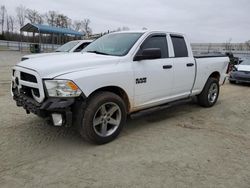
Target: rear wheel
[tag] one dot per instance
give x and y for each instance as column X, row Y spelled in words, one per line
column 210, row 93
column 232, row 82
column 103, row 118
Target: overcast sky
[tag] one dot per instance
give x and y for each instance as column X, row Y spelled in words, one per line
column 202, row 21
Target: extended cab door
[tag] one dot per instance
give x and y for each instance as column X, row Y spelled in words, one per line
column 153, row 77
column 183, row 66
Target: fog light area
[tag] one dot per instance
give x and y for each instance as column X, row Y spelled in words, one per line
column 57, row 119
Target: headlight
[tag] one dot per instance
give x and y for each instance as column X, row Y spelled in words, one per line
column 62, row 88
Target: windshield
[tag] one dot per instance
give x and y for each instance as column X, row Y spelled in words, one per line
column 246, row 61
column 67, row 47
column 115, row 44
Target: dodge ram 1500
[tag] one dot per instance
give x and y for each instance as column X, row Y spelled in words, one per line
column 117, row 75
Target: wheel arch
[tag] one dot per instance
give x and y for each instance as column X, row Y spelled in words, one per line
column 116, row 90
column 215, row 75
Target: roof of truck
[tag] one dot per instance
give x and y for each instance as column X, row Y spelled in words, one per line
column 149, row 31
column 84, row 40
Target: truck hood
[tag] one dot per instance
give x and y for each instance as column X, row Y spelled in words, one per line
column 56, row 65
column 243, row 67
column 42, row 55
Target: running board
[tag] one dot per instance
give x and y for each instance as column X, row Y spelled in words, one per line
column 158, row 108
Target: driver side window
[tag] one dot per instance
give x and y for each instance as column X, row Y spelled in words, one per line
column 156, row 41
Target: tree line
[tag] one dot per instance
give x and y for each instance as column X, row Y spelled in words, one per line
column 11, row 24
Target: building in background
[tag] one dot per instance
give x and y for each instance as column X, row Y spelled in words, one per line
column 199, row 48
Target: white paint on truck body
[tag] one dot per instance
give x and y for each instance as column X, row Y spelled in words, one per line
column 92, row 71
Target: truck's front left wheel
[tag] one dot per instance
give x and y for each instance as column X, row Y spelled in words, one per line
column 103, row 118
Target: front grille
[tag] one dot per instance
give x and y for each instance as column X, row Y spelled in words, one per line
column 28, row 83
column 28, row 77
column 28, row 91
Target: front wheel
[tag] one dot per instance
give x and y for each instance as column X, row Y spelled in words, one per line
column 210, row 93
column 103, row 118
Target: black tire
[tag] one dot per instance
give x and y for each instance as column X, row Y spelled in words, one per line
column 85, row 118
column 232, row 82
column 205, row 98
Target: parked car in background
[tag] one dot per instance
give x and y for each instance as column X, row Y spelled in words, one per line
column 69, row 47
column 241, row 72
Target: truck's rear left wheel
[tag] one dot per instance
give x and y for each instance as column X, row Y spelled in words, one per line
column 103, row 118
column 210, row 93
column 232, row 82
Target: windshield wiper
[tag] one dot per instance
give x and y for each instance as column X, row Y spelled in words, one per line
column 97, row 52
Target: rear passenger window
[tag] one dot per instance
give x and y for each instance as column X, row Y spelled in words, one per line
column 157, row 41
column 180, row 47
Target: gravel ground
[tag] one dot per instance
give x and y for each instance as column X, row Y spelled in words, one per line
column 184, row 146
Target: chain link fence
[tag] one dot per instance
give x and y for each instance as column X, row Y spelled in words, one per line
column 25, row 46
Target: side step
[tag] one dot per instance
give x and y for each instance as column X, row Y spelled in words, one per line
column 148, row 111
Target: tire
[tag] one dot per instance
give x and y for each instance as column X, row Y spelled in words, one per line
column 103, row 118
column 232, row 82
column 210, row 93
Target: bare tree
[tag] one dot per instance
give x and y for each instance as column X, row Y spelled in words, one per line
column 39, row 19
column 21, row 15
column 7, row 24
column 209, row 48
column 12, row 23
column 248, row 44
column 241, row 47
column 2, row 15
column 51, row 17
column 85, row 26
column 63, row 21
column 33, row 16
column 77, row 25
column 228, row 45
column 125, row 28
column 68, row 22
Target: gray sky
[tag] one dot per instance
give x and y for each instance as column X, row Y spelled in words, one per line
column 202, row 21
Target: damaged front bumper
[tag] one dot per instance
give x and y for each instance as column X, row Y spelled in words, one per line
column 57, row 109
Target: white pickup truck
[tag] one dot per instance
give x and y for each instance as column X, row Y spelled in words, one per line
column 117, row 75
column 69, row 47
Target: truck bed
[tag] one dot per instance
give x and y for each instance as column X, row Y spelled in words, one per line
column 207, row 64
column 209, row 55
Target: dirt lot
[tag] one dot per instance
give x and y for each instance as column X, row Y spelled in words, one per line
column 185, row 146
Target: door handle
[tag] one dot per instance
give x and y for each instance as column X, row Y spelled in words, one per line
column 167, row 66
column 190, row 64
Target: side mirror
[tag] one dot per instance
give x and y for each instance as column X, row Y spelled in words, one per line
column 149, row 53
